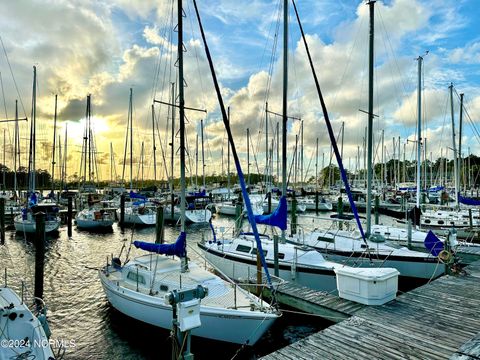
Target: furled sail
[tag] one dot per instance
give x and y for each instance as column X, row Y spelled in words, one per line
column 179, row 248
column 277, row 218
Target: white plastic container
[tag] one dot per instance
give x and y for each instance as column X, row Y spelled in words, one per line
column 369, row 286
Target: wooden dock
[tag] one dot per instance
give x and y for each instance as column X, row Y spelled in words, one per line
column 320, row 303
column 440, row 320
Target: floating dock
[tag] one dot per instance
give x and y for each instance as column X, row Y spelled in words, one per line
column 439, row 320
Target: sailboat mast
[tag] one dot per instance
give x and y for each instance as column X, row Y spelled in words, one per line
column 181, row 99
column 454, row 147
column 154, row 147
column 419, row 128
column 16, row 146
column 65, row 155
column 130, row 115
column 203, row 154
column 228, row 157
column 284, row 116
column 266, row 146
column 460, row 120
column 31, row 162
column 54, row 137
column 172, row 144
column 89, row 139
column 248, row 156
column 316, row 169
column 370, row 119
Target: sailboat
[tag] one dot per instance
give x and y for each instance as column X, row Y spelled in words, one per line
column 138, row 287
column 138, row 211
column 93, row 216
column 25, row 222
column 24, row 332
column 172, row 211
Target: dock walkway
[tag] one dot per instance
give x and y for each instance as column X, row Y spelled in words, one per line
column 439, row 320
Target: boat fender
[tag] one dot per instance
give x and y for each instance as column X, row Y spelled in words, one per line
column 445, row 256
column 117, row 263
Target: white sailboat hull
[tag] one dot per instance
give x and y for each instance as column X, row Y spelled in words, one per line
column 218, row 324
column 197, row 216
column 242, row 270
column 148, row 218
column 91, row 220
column 29, row 226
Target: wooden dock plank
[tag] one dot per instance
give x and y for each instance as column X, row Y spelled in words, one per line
column 439, row 320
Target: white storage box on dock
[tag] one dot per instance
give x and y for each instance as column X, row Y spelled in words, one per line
column 369, row 286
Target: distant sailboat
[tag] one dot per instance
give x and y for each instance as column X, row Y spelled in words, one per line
column 25, row 222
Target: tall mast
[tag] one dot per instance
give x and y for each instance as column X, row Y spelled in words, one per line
column 196, row 162
column 89, row 141
column 16, row 148
column 31, row 162
column 65, row 154
column 54, row 137
column 130, row 115
column 266, row 146
column 301, row 154
column 370, row 119
column 203, row 154
column 460, row 142
column 182, row 122
column 4, row 146
column 284, row 114
column 454, row 147
column 172, row 144
column 154, row 147
column 248, row 156
column 228, row 157
column 419, row 128
column 316, row 169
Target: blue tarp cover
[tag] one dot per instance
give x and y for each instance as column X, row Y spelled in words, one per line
column 277, row 218
column 433, row 243
column 468, row 201
column 179, row 248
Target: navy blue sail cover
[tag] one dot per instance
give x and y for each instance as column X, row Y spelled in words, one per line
column 433, row 243
column 277, row 218
column 179, row 248
column 468, row 201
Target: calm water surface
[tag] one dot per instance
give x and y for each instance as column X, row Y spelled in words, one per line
column 79, row 312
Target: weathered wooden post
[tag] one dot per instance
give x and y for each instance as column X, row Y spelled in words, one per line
column 293, row 227
column 269, row 202
column 159, row 226
column 122, row 211
column 39, row 253
column 2, row 221
column 340, row 212
column 409, row 234
column 69, row 216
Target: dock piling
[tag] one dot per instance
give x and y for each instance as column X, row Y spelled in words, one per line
column 122, row 211
column 39, row 253
column 2, row 221
column 159, row 229
column 69, row 216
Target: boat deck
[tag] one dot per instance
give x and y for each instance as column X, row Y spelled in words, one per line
column 436, row 321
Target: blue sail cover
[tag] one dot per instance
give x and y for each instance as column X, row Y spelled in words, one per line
column 136, row 196
column 433, row 243
column 468, row 201
column 277, row 218
column 179, row 248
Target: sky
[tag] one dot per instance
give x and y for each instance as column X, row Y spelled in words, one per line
column 104, row 48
